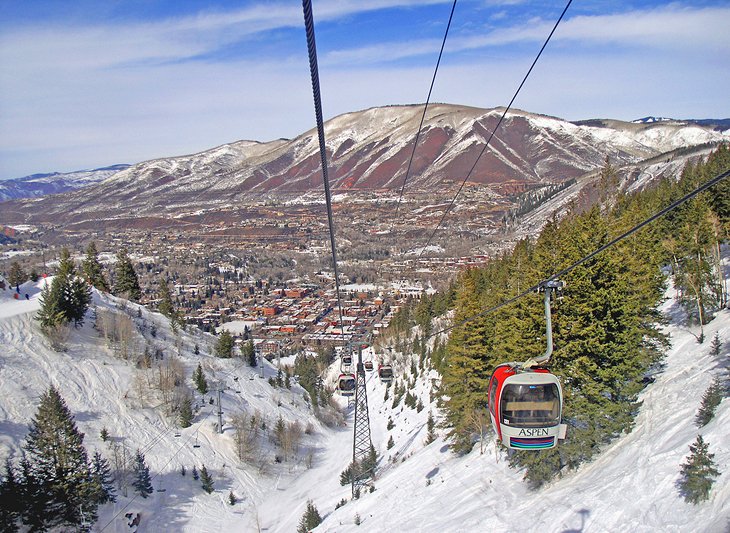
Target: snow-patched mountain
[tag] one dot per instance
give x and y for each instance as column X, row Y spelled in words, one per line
column 55, row 182
column 630, row 486
column 370, row 150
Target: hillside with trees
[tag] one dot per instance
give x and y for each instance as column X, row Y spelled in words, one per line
column 604, row 325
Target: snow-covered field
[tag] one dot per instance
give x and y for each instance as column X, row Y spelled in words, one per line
column 629, row 487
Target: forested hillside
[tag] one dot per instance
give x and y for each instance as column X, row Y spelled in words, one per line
column 605, row 323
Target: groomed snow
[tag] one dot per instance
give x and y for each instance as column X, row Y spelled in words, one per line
column 629, row 487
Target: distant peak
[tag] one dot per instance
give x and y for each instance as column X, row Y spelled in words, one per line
column 651, row 120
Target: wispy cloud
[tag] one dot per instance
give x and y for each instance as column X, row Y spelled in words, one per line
column 670, row 27
column 93, row 94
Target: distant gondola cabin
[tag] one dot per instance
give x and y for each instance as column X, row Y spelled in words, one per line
column 385, row 372
column 346, row 384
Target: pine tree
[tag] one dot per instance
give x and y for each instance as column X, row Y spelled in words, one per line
column 232, row 500
column 127, row 282
column 67, row 299
column 716, row 345
column 310, row 519
column 370, row 463
column 249, row 354
column 142, row 481
column 186, row 412
column 55, row 466
column 195, row 474
column 101, row 474
column 468, row 362
column 430, row 429
column 697, row 473
column 50, row 314
column 11, row 503
column 33, row 496
column 92, row 269
column 206, row 480
column 16, row 274
column 224, row 346
column 201, row 384
column 79, row 298
column 166, row 305
column 710, row 400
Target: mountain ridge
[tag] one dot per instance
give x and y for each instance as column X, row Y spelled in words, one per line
column 369, row 150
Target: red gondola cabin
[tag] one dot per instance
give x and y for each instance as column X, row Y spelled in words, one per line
column 385, row 373
column 525, row 407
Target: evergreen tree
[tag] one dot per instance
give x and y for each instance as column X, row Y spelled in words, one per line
column 468, row 362
column 370, row 463
column 224, row 346
column 430, row 429
column 79, row 298
column 206, row 480
column 710, row 400
column 186, row 412
column 16, row 274
column 67, row 299
column 166, row 305
column 33, row 497
column 103, row 480
column 697, row 473
column 201, row 384
column 716, row 345
column 50, row 313
column 142, row 481
column 92, row 269
column 55, row 467
column 249, row 354
column 127, row 282
column 232, row 500
column 310, row 519
column 11, row 503
column 346, row 476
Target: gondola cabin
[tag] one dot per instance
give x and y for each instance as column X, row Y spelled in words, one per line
column 347, row 359
column 525, row 407
column 368, row 365
column 346, row 384
column 385, row 373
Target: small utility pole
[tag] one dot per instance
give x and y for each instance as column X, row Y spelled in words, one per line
column 220, row 413
column 217, row 387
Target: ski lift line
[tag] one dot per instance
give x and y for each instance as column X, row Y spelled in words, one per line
column 714, row 181
column 423, row 116
column 314, row 72
column 156, row 475
column 491, row 135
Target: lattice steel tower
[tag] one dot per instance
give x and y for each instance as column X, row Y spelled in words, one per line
column 362, row 463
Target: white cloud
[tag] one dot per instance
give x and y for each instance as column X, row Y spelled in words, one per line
column 670, row 27
column 82, row 97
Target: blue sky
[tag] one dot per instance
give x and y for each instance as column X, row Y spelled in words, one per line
column 85, row 84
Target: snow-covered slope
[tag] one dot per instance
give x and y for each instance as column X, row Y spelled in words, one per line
column 629, row 487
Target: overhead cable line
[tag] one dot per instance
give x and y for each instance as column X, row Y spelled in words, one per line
column 423, row 116
column 561, row 273
column 314, row 72
column 489, row 139
column 158, row 474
